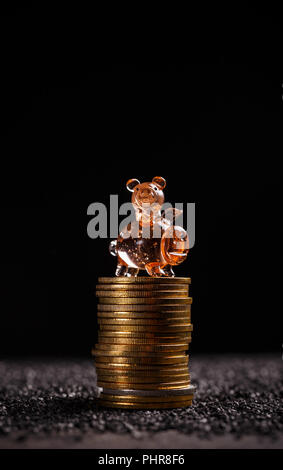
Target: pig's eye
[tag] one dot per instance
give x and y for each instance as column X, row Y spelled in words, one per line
column 138, row 189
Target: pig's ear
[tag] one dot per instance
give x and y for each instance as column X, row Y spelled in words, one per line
column 159, row 181
column 131, row 184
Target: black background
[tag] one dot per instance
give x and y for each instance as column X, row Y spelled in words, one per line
column 76, row 125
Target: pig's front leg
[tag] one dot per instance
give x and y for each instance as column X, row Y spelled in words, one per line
column 168, row 271
column 132, row 272
column 121, row 270
column 153, row 269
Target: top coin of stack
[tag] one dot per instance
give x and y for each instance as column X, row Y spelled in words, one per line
column 144, row 334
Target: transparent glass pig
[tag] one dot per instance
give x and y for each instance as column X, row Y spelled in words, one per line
column 152, row 242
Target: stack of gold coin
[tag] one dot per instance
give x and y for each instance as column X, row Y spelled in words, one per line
column 141, row 357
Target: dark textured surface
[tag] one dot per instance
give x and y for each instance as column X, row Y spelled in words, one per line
column 52, row 399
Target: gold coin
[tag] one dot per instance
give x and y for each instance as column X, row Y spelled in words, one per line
column 131, row 383
column 140, row 368
column 144, row 279
column 179, row 359
column 144, row 372
column 162, row 340
column 144, row 321
column 144, row 335
column 144, row 347
column 189, row 390
column 145, row 399
column 138, row 386
column 150, row 369
column 144, row 308
column 119, row 341
column 139, row 344
column 107, row 341
column 149, row 401
column 136, row 301
column 136, row 349
column 141, row 287
column 128, row 381
column 139, row 321
column 139, row 363
column 144, row 315
column 145, row 406
column 162, row 294
column 135, row 324
column 143, row 380
column 121, row 376
column 136, row 353
column 153, row 328
column 146, row 369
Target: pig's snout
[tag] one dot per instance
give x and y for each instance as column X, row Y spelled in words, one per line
column 146, row 195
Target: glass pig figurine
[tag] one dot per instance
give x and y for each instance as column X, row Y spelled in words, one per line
column 152, row 241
